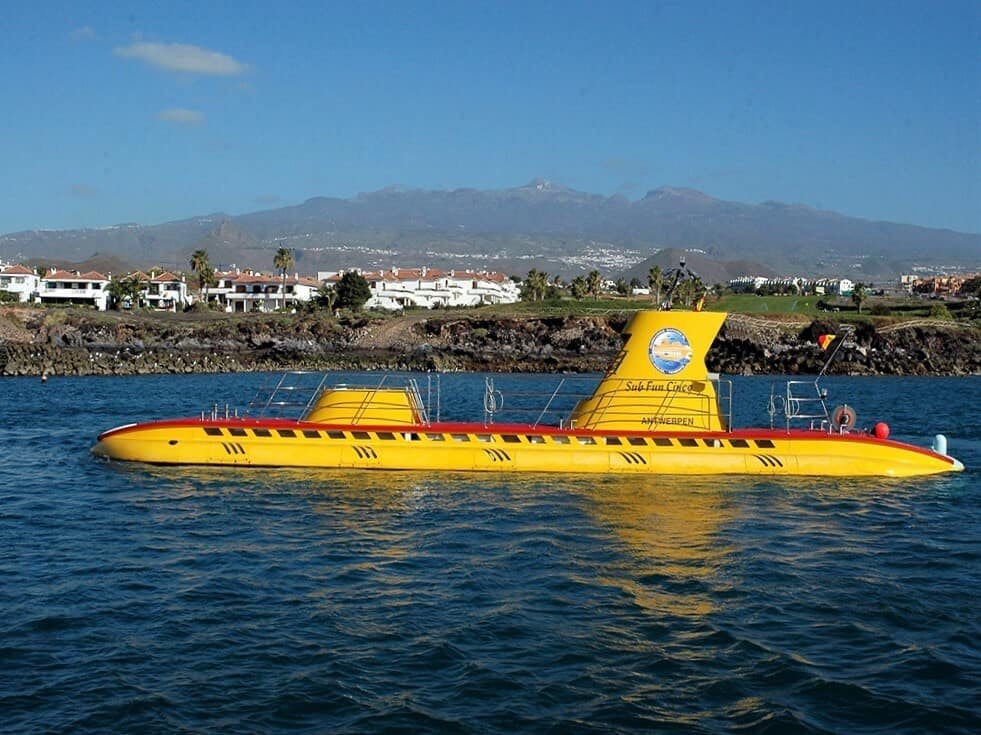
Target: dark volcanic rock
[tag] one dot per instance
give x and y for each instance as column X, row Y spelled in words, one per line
column 70, row 342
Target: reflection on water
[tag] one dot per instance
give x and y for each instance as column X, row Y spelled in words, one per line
column 672, row 528
column 253, row 600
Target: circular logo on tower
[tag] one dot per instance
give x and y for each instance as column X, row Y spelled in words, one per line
column 670, row 351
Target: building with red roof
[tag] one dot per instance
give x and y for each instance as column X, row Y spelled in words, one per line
column 243, row 291
column 20, row 280
column 72, row 287
column 161, row 291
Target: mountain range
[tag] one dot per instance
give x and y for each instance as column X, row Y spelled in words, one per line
column 540, row 225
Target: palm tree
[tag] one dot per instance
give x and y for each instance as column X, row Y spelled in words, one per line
column 690, row 291
column 121, row 289
column 117, row 291
column 134, row 290
column 686, row 292
column 578, row 288
column 594, row 282
column 202, row 266
column 537, row 283
column 655, row 280
column 283, row 261
column 859, row 295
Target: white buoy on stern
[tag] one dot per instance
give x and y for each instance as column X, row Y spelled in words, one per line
column 940, row 445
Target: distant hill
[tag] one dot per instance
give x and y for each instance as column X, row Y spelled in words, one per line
column 709, row 270
column 540, row 225
column 104, row 263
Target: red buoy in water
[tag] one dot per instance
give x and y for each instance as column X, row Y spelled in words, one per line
column 881, row 430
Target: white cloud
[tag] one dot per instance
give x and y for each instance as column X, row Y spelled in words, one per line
column 181, row 116
column 83, row 33
column 183, row 57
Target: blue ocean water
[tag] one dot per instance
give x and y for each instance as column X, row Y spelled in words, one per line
column 147, row 599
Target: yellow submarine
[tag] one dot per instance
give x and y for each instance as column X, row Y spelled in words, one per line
column 657, row 410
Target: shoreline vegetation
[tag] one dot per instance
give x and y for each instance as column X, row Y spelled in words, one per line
column 37, row 341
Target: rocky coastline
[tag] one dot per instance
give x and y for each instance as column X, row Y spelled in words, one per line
column 37, row 342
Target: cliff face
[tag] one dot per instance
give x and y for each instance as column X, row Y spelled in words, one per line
column 76, row 342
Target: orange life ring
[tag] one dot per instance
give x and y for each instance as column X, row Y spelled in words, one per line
column 843, row 417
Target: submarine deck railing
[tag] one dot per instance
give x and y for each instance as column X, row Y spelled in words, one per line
column 287, row 395
column 660, row 404
column 293, row 394
column 534, row 400
column 795, row 403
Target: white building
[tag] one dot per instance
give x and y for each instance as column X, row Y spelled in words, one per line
column 20, row 280
column 820, row 286
column 162, row 291
column 72, row 287
column 167, row 291
column 429, row 288
column 247, row 291
column 748, row 283
column 833, row 286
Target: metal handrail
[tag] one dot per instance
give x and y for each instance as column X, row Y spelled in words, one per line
column 548, row 404
column 413, row 388
column 794, row 406
column 279, row 396
column 561, row 401
column 293, row 393
column 287, row 395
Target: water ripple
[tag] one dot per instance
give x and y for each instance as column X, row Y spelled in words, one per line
column 194, row 600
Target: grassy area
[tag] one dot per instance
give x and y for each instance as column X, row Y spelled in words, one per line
column 564, row 307
column 881, row 310
column 753, row 304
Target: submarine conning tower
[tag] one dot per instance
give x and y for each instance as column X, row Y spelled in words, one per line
column 658, row 381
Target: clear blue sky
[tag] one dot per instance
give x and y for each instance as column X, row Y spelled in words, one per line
column 149, row 112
